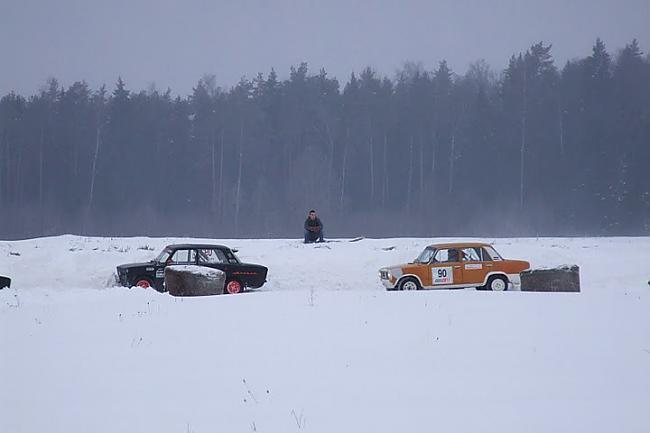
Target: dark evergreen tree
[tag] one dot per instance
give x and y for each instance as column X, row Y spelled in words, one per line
column 531, row 151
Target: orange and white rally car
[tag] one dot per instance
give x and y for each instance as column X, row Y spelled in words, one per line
column 455, row 265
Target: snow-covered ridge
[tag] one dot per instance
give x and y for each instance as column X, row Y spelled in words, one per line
column 322, row 348
column 66, row 262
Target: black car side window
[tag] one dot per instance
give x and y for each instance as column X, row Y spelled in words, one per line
column 211, row 256
column 183, row 257
column 231, row 257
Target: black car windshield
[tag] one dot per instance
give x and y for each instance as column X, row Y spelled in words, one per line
column 425, row 256
column 163, row 256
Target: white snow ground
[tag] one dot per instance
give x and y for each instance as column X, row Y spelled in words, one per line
column 322, row 348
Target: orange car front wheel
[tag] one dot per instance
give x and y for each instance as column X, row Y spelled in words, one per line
column 409, row 283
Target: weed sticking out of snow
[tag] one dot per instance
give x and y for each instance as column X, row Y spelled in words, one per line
column 312, row 298
column 13, row 300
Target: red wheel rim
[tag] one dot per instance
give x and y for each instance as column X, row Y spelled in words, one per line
column 143, row 283
column 233, row 287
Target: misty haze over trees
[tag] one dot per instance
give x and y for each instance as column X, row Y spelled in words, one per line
column 534, row 150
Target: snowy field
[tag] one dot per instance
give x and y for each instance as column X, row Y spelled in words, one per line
column 322, row 347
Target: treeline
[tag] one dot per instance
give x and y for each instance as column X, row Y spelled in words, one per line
column 534, row 150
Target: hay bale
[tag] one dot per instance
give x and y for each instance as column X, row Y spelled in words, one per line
column 192, row 280
column 5, row 282
column 561, row 279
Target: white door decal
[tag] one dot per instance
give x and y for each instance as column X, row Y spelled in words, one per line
column 443, row 275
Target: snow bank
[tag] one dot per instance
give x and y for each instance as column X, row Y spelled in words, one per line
column 323, row 348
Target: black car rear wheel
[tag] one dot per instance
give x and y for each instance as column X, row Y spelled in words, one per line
column 233, row 287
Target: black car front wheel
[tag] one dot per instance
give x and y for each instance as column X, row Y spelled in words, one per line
column 144, row 282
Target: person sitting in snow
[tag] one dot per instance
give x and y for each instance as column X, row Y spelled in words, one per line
column 313, row 228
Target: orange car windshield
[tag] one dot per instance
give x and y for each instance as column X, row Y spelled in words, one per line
column 425, row 256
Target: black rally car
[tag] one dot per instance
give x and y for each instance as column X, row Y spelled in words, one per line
column 239, row 276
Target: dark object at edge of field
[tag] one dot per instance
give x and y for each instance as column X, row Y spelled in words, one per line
column 561, row 279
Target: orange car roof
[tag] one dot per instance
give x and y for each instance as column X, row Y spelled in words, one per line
column 460, row 245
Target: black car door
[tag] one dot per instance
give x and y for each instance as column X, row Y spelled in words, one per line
column 213, row 258
column 182, row 256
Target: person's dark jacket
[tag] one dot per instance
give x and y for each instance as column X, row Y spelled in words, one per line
column 313, row 225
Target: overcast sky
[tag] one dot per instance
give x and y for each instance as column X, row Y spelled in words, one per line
column 174, row 43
